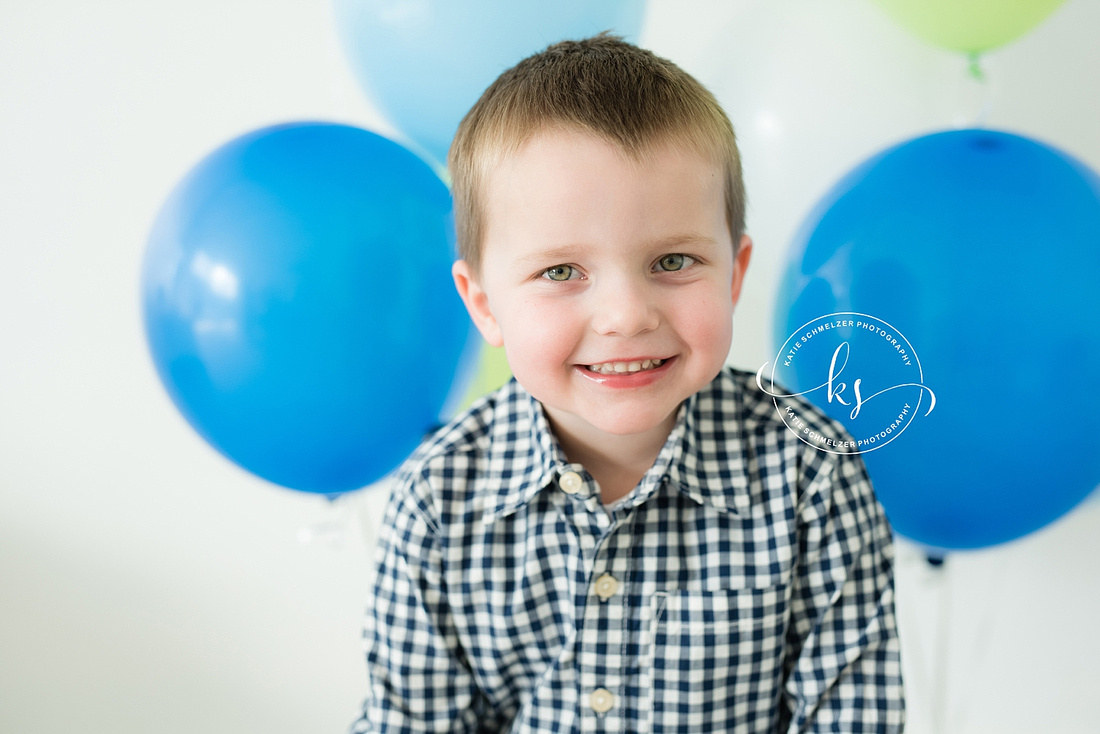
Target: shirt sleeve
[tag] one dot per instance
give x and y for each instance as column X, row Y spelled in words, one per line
column 844, row 659
column 419, row 678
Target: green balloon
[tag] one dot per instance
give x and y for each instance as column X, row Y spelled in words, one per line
column 970, row 26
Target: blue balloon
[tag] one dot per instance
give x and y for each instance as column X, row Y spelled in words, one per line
column 298, row 303
column 426, row 63
column 983, row 249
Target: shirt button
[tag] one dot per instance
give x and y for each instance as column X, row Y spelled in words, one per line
column 570, row 482
column 601, row 700
column 606, row 586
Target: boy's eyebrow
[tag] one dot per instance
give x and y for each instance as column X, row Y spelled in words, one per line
column 561, row 253
column 568, row 252
column 678, row 240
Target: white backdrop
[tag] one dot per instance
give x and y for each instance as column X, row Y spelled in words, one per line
column 147, row 584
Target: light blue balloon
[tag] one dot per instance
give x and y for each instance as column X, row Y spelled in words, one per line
column 426, row 63
column 983, row 249
column 298, row 303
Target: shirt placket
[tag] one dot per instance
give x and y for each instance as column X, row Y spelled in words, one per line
column 602, row 614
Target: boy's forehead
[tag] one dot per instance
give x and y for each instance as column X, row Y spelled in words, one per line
column 564, row 187
column 563, row 148
column 571, row 138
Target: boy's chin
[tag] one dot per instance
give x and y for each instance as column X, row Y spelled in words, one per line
column 619, row 437
column 633, row 425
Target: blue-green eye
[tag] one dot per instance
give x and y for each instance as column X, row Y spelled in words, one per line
column 674, row 261
column 559, row 272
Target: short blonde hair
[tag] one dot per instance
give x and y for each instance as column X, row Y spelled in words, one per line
column 603, row 85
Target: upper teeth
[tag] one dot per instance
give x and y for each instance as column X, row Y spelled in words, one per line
column 610, row 368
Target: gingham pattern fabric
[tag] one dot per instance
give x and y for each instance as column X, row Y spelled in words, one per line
column 751, row 583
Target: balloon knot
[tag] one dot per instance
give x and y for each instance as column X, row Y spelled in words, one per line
column 975, row 66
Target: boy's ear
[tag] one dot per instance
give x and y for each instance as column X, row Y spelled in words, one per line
column 740, row 265
column 477, row 302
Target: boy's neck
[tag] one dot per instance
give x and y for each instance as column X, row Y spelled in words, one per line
column 617, row 463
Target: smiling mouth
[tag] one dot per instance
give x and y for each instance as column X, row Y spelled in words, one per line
column 625, row 368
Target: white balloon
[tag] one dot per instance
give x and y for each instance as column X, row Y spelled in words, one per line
column 813, row 89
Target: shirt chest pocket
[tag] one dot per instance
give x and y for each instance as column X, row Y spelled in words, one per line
column 717, row 657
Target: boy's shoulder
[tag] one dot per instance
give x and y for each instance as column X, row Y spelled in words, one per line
column 759, row 459
column 748, row 430
column 479, row 428
column 495, row 444
column 736, row 394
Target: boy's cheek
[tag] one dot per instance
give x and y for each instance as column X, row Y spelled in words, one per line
column 537, row 352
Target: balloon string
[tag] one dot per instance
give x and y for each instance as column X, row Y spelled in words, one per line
column 939, row 657
column 979, row 77
column 372, row 503
column 915, row 629
column 338, row 97
column 992, row 602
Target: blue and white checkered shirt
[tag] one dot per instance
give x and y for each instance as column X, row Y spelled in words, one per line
column 745, row 585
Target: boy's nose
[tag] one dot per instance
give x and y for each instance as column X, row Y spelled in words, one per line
column 624, row 308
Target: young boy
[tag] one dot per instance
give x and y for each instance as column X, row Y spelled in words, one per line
column 625, row 538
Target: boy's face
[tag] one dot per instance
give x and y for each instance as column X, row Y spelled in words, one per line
column 610, row 283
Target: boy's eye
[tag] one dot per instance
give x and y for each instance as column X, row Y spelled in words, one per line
column 560, row 272
column 675, row 261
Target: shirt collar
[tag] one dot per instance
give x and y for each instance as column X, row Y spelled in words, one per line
column 713, row 453
column 704, row 457
column 523, row 455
